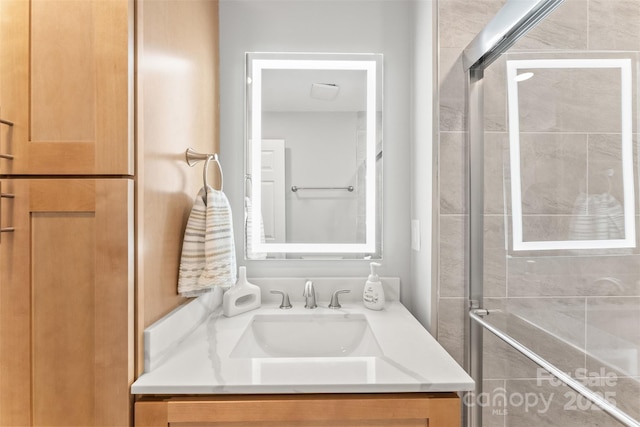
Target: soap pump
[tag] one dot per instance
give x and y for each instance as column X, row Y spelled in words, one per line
column 241, row 297
column 373, row 294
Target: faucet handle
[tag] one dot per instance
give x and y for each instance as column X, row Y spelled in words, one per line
column 285, row 299
column 334, row 298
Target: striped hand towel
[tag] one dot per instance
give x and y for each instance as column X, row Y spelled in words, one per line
column 208, row 251
column 248, row 231
column 597, row 217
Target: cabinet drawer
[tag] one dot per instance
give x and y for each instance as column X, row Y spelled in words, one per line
column 330, row 410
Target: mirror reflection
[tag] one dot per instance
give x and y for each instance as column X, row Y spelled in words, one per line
column 577, row 191
column 313, row 156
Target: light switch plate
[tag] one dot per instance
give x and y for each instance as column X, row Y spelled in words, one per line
column 415, row 234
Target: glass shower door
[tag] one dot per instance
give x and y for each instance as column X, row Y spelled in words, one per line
column 561, row 266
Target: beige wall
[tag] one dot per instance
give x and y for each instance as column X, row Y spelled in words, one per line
column 577, row 26
column 177, row 108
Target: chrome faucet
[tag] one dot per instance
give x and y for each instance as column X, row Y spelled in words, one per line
column 309, row 295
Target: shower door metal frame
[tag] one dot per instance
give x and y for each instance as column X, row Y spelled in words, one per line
column 511, row 22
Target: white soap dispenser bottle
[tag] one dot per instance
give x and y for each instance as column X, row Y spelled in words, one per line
column 373, row 294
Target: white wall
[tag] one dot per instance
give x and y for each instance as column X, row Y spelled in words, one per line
column 320, row 151
column 422, row 161
column 370, row 26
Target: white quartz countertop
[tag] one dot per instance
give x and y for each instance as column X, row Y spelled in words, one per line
column 201, row 361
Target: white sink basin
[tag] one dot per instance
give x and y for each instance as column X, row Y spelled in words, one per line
column 307, row 335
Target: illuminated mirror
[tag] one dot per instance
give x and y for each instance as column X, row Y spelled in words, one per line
column 313, row 156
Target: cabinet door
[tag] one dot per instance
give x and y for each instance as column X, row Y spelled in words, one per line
column 66, row 298
column 66, row 74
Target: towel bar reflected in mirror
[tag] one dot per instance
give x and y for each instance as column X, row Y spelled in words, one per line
column 295, row 188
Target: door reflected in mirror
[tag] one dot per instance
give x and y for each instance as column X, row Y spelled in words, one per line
column 313, row 156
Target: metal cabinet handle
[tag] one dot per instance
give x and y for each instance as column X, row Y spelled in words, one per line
column 334, row 298
column 6, row 156
column 5, row 196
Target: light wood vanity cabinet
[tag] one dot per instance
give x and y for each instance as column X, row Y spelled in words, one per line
column 66, row 78
column 313, row 410
column 66, row 302
column 66, row 175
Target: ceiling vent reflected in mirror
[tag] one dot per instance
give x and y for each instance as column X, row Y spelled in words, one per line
column 324, row 91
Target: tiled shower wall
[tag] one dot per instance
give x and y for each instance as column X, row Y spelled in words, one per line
column 576, row 26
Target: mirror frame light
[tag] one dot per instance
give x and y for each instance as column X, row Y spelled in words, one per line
column 629, row 240
column 370, row 67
